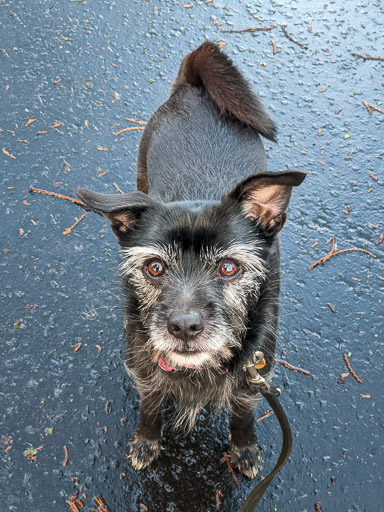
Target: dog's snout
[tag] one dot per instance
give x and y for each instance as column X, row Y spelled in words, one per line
column 185, row 326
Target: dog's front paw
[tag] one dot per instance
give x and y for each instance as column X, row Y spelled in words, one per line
column 247, row 459
column 143, row 452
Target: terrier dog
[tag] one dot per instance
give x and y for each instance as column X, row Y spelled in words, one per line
column 201, row 253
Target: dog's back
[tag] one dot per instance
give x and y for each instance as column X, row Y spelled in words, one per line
column 205, row 138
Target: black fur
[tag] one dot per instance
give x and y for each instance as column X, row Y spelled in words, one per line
column 212, row 207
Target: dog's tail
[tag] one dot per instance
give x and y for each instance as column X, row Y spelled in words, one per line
column 209, row 67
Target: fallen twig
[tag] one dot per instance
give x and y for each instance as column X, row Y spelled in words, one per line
column 367, row 106
column 331, row 308
column 350, row 369
column 348, row 211
column 269, row 413
column 66, row 456
column 102, row 506
column 304, row 45
column 8, row 154
column 274, row 47
column 371, row 175
column 68, row 230
column 293, row 368
column 31, row 454
column 218, row 493
column 30, row 121
column 367, row 57
column 250, row 29
column 343, row 376
column 230, row 468
column 60, row 196
column 129, row 129
column 333, row 253
column 377, row 109
column 142, row 123
column 370, row 107
column 72, row 506
column 118, row 189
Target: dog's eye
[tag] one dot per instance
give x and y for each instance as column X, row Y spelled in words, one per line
column 155, row 268
column 229, row 269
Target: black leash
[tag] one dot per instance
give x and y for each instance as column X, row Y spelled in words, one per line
column 270, row 393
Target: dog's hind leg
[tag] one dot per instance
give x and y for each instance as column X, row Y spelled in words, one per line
column 146, row 443
column 245, row 452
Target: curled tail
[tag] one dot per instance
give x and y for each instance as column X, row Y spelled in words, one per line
column 209, row 67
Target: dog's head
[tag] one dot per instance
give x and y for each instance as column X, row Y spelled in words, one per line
column 195, row 268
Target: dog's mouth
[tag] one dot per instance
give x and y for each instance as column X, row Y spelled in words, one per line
column 187, row 352
column 167, row 366
column 187, row 358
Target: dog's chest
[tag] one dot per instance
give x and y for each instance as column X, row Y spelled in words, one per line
column 198, row 388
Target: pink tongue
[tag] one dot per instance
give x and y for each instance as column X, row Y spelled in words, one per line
column 163, row 363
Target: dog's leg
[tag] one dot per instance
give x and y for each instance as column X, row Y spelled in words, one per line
column 245, row 452
column 146, row 443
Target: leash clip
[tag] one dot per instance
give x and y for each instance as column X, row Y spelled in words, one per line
column 254, row 378
column 252, row 365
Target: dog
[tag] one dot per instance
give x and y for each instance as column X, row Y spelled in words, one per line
column 200, row 246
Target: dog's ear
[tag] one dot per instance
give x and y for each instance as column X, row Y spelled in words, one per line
column 123, row 210
column 265, row 197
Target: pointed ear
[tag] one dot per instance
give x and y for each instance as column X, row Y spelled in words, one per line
column 265, row 197
column 123, row 210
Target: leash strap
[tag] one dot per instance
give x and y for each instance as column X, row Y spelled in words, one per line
column 270, row 393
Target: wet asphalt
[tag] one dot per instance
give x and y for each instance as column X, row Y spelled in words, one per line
column 71, row 72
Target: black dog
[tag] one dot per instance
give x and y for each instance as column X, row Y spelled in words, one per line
column 201, row 253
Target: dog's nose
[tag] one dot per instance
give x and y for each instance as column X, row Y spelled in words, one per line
column 185, row 326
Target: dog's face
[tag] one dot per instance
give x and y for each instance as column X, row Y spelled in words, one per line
column 195, row 268
column 193, row 280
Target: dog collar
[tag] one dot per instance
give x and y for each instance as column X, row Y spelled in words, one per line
column 255, row 363
column 164, row 365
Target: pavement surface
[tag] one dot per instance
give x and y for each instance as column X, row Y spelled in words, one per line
column 71, row 72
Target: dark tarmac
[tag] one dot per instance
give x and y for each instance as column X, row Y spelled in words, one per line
column 89, row 65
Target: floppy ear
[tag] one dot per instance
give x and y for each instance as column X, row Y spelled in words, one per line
column 265, row 197
column 123, row 210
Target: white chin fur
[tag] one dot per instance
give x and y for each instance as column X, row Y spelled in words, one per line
column 188, row 360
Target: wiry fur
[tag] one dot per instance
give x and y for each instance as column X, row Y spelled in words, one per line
column 210, row 201
column 220, row 335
